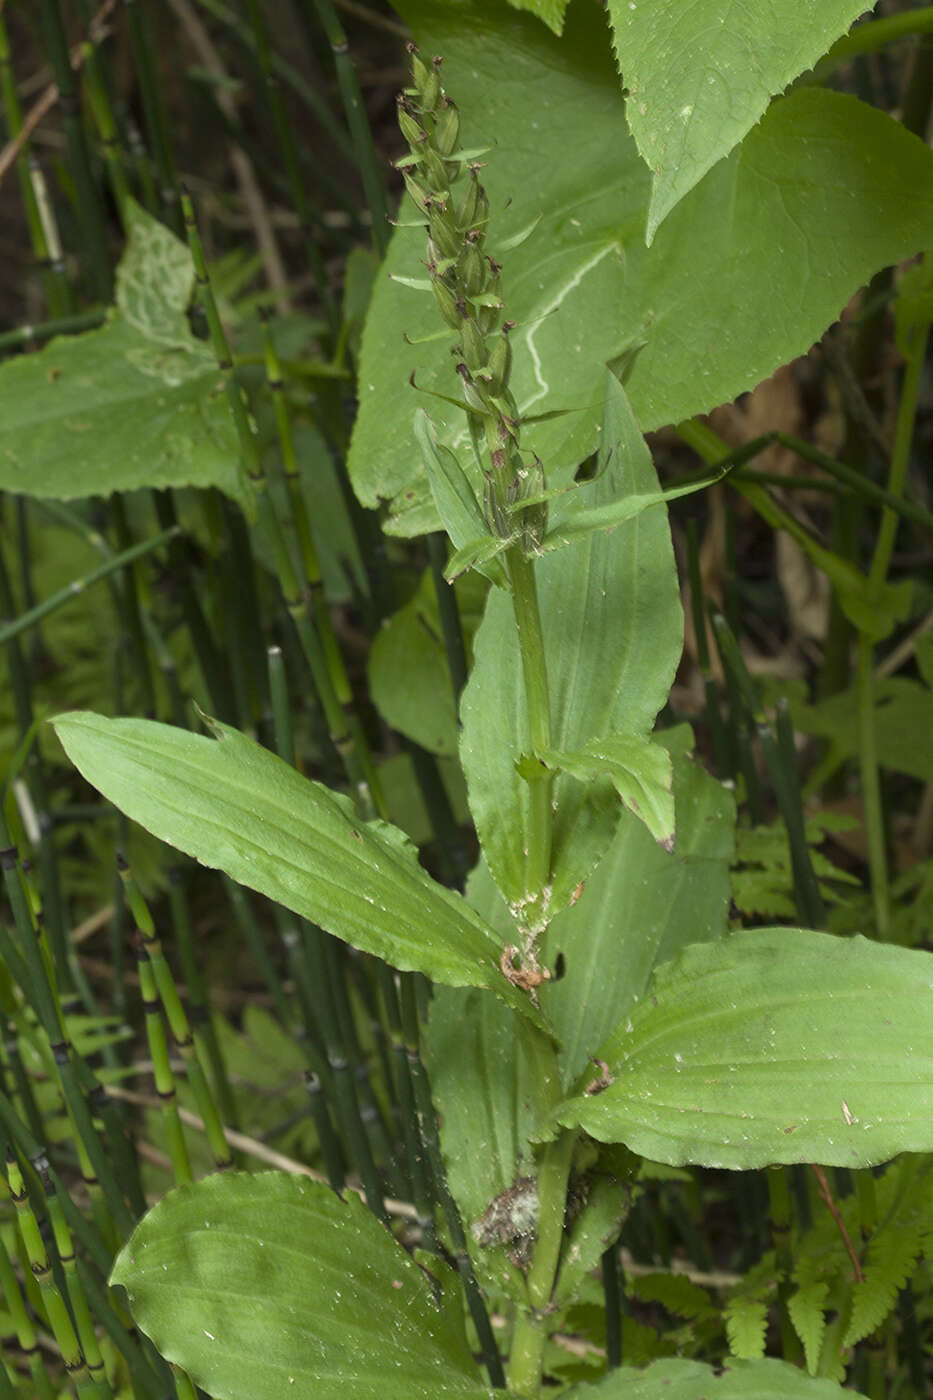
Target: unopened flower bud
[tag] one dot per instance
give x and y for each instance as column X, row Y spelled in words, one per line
column 447, row 303
column 433, row 168
column 411, row 129
column 420, row 195
column 473, row 345
column 447, row 128
column 465, row 215
column 471, row 269
column 445, row 240
column 499, row 364
column 430, row 89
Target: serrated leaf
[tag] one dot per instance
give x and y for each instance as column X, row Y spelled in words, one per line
column 691, row 1380
column 236, row 807
column 806, row 1308
column 892, row 1255
column 746, row 1324
column 267, row 1285
column 641, row 773
column 136, row 403
column 700, row 76
column 679, row 1295
column 742, row 276
column 776, row 1045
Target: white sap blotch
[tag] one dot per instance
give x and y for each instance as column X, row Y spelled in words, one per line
column 687, row 112
column 209, row 1335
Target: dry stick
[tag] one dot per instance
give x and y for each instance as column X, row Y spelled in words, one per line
column 827, row 1197
column 252, row 195
column 47, row 101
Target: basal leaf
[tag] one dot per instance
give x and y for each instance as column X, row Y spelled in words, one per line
column 691, row 1380
column 612, row 624
column 236, row 807
column 699, row 76
column 743, row 275
column 777, row 1045
column 639, row 908
column 138, row 402
column 271, row 1285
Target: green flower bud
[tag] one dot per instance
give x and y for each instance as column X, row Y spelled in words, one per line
column 465, row 214
column 443, row 236
column 431, row 87
column 420, row 195
column 447, row 128
column 473, row 346
column 420, row 72
column 499, row 364
column 411, row 129
column 434, row 169
column 471, row 269
column 447, row 303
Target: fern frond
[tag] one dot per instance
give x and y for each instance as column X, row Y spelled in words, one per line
column 746, row 1325
column 805, row 1308
column 674, row 1292
column 892, row 1255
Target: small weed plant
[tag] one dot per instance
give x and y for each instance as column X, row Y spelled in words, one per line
column 568, row 1049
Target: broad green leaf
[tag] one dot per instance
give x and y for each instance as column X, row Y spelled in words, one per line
column 699, row 76
column 137, row 402
column 691, row 1380
column 639, row 908
column 271, row 1285
column 409, row 677
column 777, row 1045
column 488, row 1090
column 641, row 774
column 742, row 276
column 236, row 807
column 612, row 624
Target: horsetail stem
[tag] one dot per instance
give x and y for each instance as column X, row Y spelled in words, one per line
column 162, row 1070
column 22, row 1322
column 341, row 733
column 177, row 1020
column 38, row 1260
column 76, row 1294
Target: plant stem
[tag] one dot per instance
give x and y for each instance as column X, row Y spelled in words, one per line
column 534, row 670
column 531, row 1327
column 877, row 575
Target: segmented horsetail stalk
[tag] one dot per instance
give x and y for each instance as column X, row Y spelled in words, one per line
column 161, row 1068
column 76, row 1295
column 38, row 1261
column 464, row 280
column 25, row 1331
column 177, row 1019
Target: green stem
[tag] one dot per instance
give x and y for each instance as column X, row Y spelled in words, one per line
column 877, row 575
column 113, row 565
column 531, row 1327
column 534, row 670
